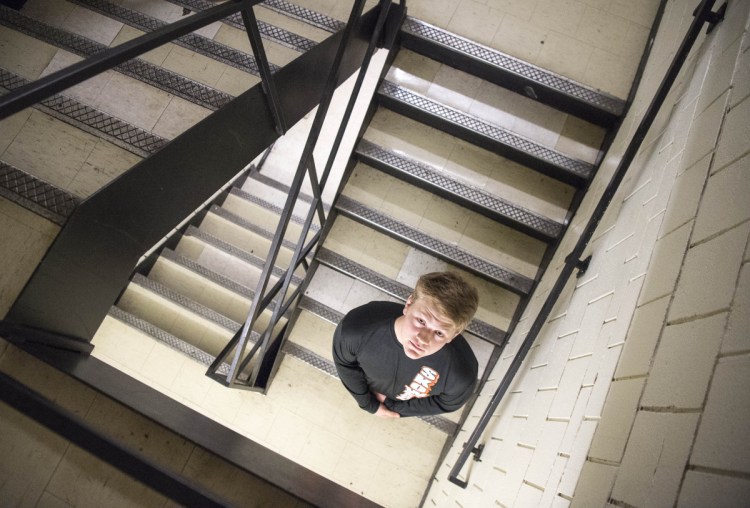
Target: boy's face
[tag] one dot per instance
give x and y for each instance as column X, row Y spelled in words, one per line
column 423, row 330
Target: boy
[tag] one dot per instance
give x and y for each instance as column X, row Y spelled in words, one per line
column 410, row 360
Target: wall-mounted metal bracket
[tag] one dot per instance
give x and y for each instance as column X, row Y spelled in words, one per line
column 477, row 452
column 713, row 18
column 581, row 264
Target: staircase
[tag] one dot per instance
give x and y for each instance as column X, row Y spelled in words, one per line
column 471, row 161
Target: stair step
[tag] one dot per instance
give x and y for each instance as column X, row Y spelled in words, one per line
column 192, row 41
column 208, row 274
column 468, row 196
column 308, row 16
column 141, row 70
column 230, row 249
column 401, row 291
column 282, row 191
column 166, row 338
column 36, row 195
column 512, row 73
column 125, row 135
column 513, row 281
column 185, row 302
column 267, row 31
column 246, row 196
column 501, row 141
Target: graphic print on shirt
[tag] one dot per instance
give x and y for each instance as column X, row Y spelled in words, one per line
column 421, row 385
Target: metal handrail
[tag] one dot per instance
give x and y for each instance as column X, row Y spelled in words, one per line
column 47, row 86
column 703, row 14
column 264, row 298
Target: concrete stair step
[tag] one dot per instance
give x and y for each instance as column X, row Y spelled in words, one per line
column 547, row 161
column 470, row 164
column 510, row 72
column 165, row 338
column 493, row 272
column 468, row 196
column 177, row 315
column 138, row 69
column 125, row 135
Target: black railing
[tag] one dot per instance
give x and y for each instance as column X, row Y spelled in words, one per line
column 276, row 299
column 93, row 256
column 703, row 14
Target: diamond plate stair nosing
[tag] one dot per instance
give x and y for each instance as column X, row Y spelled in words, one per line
column 491, row 271
column 267, row 31
column 192, row 41
column 346, row 266
column 166, row 338
column 569, row 166
column 274, row 184
column 37, row 195
column 308, row 16
column 372, row 153
column 186, row 303
column 236, row 191
column 207, row 273
column 125, row 135
column 321, row 310
column 140, row 70
column 596, row 98
column 249, row 226
column 324, row 365
column 232, row 250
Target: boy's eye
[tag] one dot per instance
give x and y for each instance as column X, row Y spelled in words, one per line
column 420, row 321
column 439, row 333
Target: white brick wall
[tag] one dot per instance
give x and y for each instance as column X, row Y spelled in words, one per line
column 637, row 391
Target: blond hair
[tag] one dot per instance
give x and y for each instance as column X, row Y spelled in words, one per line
column 454, row 297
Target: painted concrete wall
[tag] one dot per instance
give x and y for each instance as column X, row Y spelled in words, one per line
column 637, row 392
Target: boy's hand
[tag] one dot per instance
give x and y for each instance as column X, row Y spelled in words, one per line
column 384, row 412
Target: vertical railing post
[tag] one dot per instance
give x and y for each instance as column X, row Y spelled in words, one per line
column 267, row 82
column 302, row 169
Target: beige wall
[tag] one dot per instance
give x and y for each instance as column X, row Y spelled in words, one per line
column 637, row 390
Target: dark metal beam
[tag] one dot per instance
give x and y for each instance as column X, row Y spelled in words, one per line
column 80, row 433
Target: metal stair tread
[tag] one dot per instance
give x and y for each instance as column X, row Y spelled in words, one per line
column 308, row 16
column 516, row 215
column 402, row 291
column 236, row 191
column 36, row 194
column 547, row 160
column 275, row 184
column 482, row 267
column 249, row 226
column 138, row 69
column 185, row 302
column 123, row 134
column 232, row 250
column 603, row 101
column 267, row 31
column 207, row 273
column 191, row 41
column 166, row 338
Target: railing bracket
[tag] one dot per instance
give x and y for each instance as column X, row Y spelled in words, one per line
column 713, row 18
column 477, row 451
column 581, row 264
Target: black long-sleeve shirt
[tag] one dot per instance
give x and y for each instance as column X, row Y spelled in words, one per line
column 369, row 359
